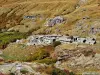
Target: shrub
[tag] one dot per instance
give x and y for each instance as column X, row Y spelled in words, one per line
column 40, row 54
column 58, row 72
column 23, row 71
column 56, row 43
column 47, row 61
column 49, row 69
column 87, row 53
column 71, row 73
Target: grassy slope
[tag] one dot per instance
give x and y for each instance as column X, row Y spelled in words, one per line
column 7, row 37
column 14, row 10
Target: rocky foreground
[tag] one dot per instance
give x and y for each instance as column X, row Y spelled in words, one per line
column 45, row 60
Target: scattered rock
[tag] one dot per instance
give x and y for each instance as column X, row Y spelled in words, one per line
column 67, row 54
column 20, row 68
column 57, row 20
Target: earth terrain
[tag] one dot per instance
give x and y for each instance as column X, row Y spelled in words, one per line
column 22, row 18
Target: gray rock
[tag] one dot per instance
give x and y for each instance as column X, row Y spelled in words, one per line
column 54, row 21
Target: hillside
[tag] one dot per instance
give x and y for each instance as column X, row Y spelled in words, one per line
column 75, row 12
column 67, row 40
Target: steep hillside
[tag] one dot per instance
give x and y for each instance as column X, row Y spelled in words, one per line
column 13, row 16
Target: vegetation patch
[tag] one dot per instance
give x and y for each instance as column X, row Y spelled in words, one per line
column 20, row 52
column 56, row 71
column 40, row 54
column 23, row 71
column 56, row 43
column 47, row 61
column 7, row 37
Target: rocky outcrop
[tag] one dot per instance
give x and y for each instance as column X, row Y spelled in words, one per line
column 22, row 68
column 83, row 28
column 67, row 54
column 53, row 21
column 80, row 58
column 85, row 62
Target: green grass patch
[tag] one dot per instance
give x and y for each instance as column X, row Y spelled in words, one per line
column 19, row 52
column 7, row 37
column 47, row 61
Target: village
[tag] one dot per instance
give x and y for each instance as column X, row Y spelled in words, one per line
column 49, row 39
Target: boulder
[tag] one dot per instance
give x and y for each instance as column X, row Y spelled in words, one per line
column 53, row 21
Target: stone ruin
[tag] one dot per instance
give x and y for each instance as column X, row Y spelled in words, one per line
column 53, row 21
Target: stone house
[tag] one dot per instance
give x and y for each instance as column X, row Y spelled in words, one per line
column 90, row 41
column 49, row 39
column 81, row 40
column 64, row 39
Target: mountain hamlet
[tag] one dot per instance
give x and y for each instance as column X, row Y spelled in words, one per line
column 49, row 37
